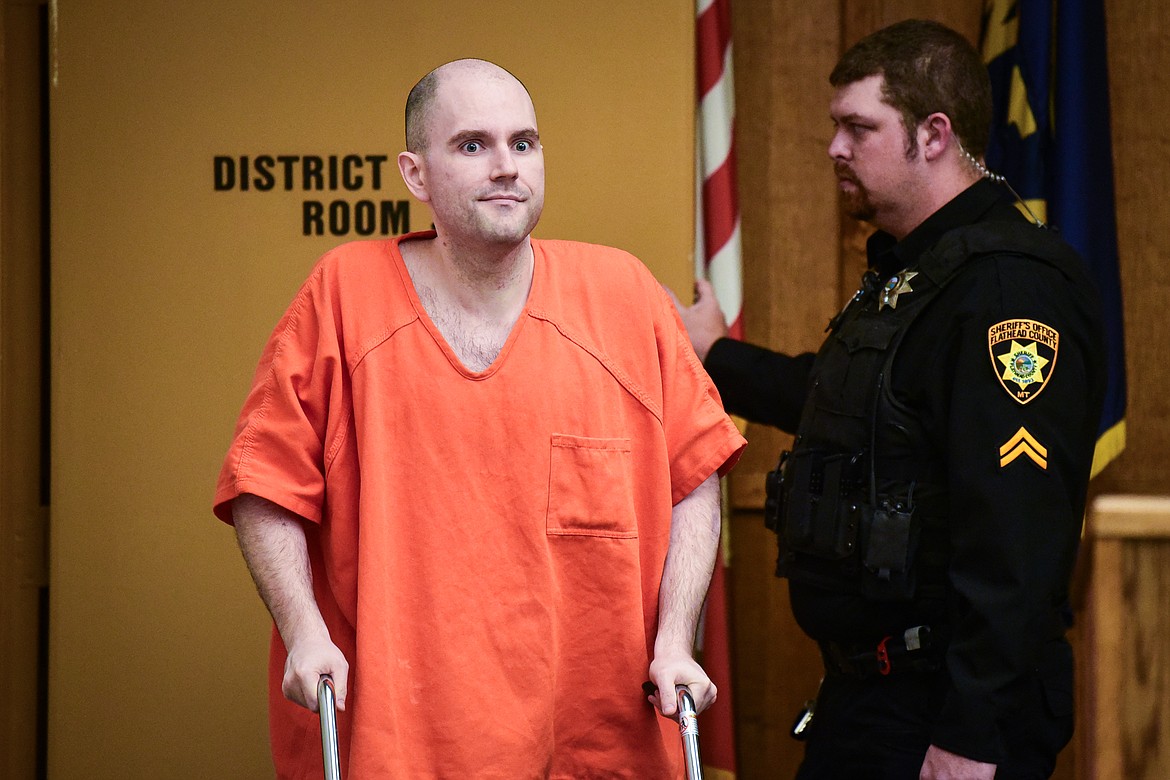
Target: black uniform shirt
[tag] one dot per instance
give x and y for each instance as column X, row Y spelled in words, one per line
column 1016, row 470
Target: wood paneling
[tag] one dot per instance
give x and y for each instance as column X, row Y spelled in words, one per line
column 783, row 55
column 802, row 259
column 788, row 199
column 23, row 526
column 1130, row 640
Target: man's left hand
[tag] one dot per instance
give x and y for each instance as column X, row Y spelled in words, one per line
column 942, row 765
column 668, row 671
column 703, row 320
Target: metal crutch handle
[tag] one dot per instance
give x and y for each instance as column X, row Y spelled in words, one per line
column 688, row 725
column 327, row 706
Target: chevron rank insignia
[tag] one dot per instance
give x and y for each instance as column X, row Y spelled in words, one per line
column 1023, row 444
column 1023, row 354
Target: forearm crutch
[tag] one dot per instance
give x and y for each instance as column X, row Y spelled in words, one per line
column 688, row 724
column 327, row 707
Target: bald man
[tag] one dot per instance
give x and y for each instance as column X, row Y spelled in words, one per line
column 476, row 480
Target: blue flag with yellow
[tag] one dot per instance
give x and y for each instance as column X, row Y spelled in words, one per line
column 1050, row 138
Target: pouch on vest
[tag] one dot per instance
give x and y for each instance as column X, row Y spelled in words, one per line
column 819, row 512
column 772, row 494
column 890, row 542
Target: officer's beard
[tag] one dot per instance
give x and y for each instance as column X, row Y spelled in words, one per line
column 855, row 201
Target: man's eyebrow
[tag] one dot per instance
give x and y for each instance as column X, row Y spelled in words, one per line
column 467, row 135
column 472, row 134
column 852, row 116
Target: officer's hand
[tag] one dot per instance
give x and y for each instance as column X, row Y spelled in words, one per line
column 308, row 659
column 668, row 671
column 703, row 320
column 941, row 765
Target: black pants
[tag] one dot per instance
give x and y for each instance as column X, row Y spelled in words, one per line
column 879, row 728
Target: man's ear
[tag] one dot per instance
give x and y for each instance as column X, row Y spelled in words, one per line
column 935, row 136
column 410, row 165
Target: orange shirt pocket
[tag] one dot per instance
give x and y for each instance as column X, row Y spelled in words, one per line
column 590, row 490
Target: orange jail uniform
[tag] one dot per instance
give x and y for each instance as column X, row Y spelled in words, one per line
column 486, row 547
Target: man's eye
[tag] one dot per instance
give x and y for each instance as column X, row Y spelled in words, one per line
column 472, row 147
column 523, row 146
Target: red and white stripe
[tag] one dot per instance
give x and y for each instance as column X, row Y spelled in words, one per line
column 717, row 257
column 717, row 235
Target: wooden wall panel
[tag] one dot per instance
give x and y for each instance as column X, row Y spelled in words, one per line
column 783, row 54
column 795, row 278
column 1130, row 641
column 23, row 524
column 802, row 259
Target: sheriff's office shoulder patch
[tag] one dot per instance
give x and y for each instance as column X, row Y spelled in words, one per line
column 1023, row 354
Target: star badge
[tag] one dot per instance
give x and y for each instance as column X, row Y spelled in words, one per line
column 898, row 284
column 1023, row 364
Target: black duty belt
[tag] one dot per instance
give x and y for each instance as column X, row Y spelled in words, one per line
column 912, row 650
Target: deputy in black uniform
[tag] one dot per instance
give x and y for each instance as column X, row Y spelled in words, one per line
column 930, row 509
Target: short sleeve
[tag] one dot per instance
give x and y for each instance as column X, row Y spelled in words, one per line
column 295, row 406
column 701, row 438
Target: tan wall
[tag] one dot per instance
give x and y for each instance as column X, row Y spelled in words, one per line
column 164, row 291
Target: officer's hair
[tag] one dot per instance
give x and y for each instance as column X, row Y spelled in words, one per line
column 928, row 68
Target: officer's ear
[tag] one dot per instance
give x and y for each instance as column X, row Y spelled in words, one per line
column 935, row 136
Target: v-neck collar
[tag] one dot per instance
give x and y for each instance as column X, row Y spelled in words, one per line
column 534, row 292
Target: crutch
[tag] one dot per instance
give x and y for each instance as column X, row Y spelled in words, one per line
column 327, row 707
column 688, row 724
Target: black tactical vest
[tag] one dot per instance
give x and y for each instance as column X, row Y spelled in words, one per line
column 859, row 503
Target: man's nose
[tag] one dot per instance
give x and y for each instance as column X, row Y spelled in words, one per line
column 504, row 164
column 838, row 148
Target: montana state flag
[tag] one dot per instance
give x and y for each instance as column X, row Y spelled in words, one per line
column 1050, row 138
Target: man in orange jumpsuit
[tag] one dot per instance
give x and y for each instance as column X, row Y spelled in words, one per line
column 476, row 480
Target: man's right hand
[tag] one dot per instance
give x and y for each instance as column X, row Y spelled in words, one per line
column 272, row 540
column 307, row 661
column 703, row 320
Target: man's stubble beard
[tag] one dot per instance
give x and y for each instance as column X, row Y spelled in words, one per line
column 858, row 205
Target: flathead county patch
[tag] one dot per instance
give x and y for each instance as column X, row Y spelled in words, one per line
column 1023, row 354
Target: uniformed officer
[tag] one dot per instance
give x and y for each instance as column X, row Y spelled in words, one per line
column 929, row 511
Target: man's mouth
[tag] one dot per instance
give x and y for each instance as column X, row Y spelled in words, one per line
column 502, row 196
column 845, row 175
